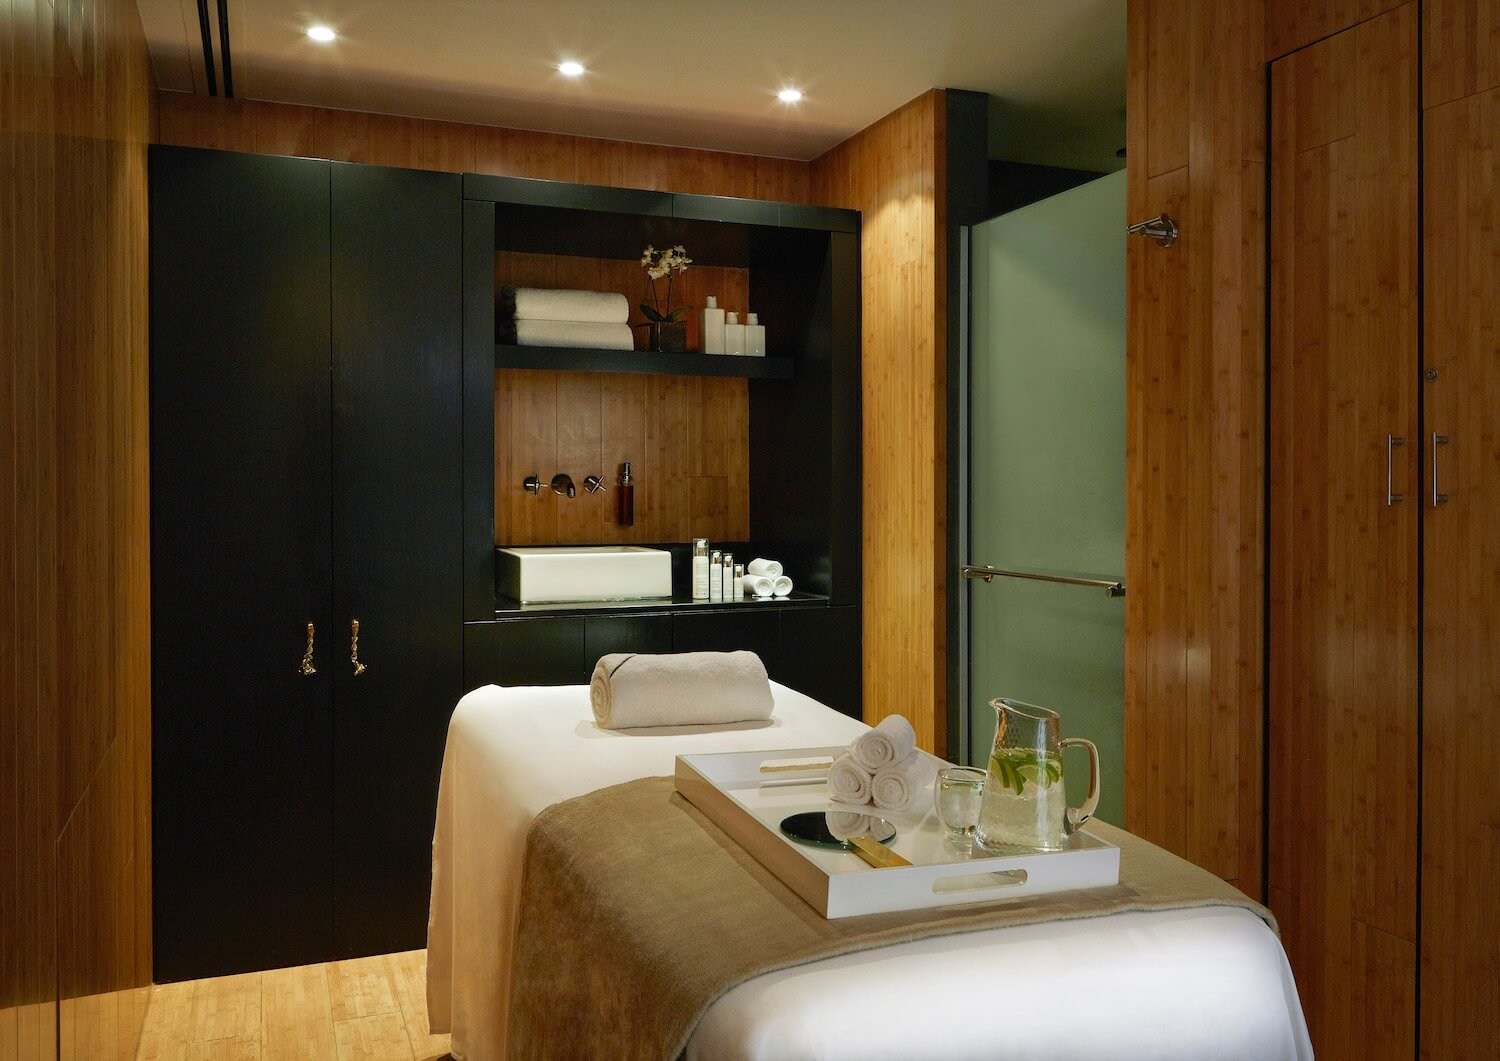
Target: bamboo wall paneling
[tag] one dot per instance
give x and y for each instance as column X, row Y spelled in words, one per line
column 75, row 116
column 1195, row 433
column 890, row 173
column 1293, row 24
column 1343, row 584
column 1460, row 957
column 351, row 136
column 1460, row 49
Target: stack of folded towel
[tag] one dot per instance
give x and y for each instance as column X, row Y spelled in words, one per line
column 763, row 578
column 535, row 316
column 883, row 767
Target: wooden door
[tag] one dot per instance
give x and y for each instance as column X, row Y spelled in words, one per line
column 240, row 562
column 397, row 539
column 1460, row 963
column 1343, row 603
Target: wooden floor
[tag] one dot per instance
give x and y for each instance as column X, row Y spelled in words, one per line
column 367, row 1009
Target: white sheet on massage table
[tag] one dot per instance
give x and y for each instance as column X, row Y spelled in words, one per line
column 1197, row 983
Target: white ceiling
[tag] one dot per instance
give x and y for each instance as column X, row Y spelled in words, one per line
column 694, row 73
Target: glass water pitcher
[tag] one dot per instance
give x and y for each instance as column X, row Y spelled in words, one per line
column 1025, row 803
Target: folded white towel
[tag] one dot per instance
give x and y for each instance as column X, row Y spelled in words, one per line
column 757, row 585
column 887, row 744
column 843, row 824
column 848, row 782
column 554, row 304
column 634, row 690
column 896, row 787
column 781, row 586
column 769, row 568
column 567, row 333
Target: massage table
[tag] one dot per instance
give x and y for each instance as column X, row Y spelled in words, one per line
column 1198, row 983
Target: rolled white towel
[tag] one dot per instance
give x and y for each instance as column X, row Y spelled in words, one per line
column 560, row 304
column 781, row 586
column 757, row 585
column 848, row 782
column 634, row 690
column 885, row 745
column 566, row 333
column 769, row 568
column 896, row 787
column 842, row 824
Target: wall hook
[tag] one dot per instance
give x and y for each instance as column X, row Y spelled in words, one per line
column 1160, row 228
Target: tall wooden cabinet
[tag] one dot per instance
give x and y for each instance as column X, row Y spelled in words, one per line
column 1384, row 519
column 306, row 420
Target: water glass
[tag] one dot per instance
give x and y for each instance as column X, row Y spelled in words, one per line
column 957, row 794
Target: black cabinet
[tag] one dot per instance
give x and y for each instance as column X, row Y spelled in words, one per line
column 306, row 418
column 815, row 650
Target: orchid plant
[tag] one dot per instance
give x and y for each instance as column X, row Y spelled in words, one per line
column 663, row 264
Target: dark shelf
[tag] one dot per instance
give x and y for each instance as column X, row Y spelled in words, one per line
column 506, row 608
column 584, row 359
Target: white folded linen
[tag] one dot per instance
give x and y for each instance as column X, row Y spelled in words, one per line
column 632, row 690
column 891, row 741
column 758, row 566
column 567, row 333
column 757, row 585
column 896, row 787
column 848, row 782
column 559, row 304
column 781, row 586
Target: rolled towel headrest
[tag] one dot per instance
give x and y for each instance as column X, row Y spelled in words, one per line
column 885, row 745
column 896, row 787
column 758, row 566
column 632, row 690
column 781, row 586
column 848, row 782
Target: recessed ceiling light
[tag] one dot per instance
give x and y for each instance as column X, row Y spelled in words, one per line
column 789, row 95
column 321, row 34
column 571, row 68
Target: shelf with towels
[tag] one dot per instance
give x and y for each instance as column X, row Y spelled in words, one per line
column 507, row 608
column 584, row 359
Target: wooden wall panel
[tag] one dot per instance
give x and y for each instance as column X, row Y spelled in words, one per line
column 1344, row 566
column 1195, row 433
column 75, row 116
column 351, row 136
column 891, row 172
column 1460, row 49
column 1293, row 24
column 1460, row 957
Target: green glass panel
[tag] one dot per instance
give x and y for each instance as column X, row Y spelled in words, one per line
column 1047, row 470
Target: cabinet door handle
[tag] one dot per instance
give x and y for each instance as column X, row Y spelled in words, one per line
column 1391, row 442
column 307, row 667
column 359, row 668
column 1437, row 498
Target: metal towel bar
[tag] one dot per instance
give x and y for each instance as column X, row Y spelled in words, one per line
column 1113, row 588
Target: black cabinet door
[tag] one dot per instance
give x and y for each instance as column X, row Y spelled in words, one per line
column 820, row 656
column 240, row 562
column 397, row 539
column 728, row 631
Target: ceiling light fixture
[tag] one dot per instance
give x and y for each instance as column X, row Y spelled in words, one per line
column 320, row 33
column 789, row 95
column 570, row 68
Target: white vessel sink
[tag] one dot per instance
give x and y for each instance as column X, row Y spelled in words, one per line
column 551, row 574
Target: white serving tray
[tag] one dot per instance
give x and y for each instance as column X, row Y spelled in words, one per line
column 749, row 805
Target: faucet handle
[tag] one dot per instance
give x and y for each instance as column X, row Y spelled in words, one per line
column 562, row 483
column 532, row 485
column 593, row 484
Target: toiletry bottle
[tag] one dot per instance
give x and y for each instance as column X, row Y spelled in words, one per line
column 739, row 581
column 713, row 327
column 734, row 335
column 700, row 569
column 726, row 577
column 755, row 335
column 716, row 575
column 625, row 499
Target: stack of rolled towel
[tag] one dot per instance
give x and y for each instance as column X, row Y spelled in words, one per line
column 763, row 578
column 535, row 316
column 883, row 767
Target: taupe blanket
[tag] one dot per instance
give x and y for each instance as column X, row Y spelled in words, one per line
column 637, row 912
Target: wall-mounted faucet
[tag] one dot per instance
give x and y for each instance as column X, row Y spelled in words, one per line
column 563, row 484
column 593, row 484
column 532, row 485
